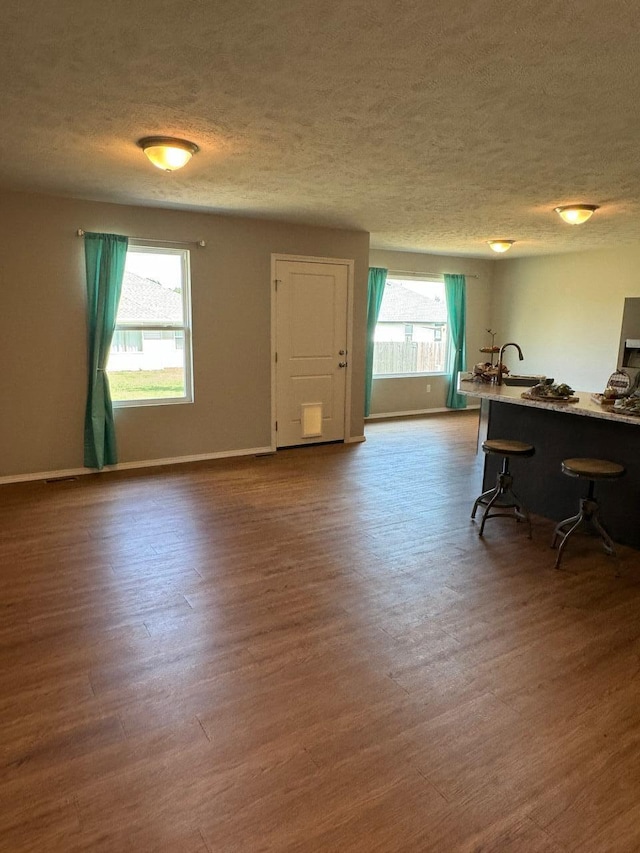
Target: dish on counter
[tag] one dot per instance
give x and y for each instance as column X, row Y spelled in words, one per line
column 601, row 400
column 485, row 371
column 628, row 406
column 543, row 391
column 549, row 398
column 604, row 400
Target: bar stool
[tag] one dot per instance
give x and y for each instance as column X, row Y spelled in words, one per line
column 502, row 496
column 589, row 515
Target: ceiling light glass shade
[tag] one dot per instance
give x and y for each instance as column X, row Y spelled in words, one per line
column 501, row 245
column 576, row 214
column 168, row 153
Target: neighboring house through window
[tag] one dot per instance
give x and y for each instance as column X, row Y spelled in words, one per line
column 411, row 332
column 150, row 358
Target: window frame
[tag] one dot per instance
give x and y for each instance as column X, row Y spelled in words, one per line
column 142, row 247
column 398, row 276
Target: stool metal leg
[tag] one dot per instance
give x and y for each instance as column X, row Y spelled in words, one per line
column 562, row 529
column 607, row 541
column 483, row 500
column 588, row 517
column 575, row 521
column 501, row 496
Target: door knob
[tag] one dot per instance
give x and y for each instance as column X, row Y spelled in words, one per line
column 342, row 364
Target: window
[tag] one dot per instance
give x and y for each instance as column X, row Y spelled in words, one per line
column 126, row 342
column 150, row 358
column 411, row 334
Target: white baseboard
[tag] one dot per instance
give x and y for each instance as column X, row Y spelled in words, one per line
column 126, row 466
column 416, row 412
column 354, row 439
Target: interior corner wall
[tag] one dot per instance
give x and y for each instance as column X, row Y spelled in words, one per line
column 408, row 394
column 43, row 351
column 565, row 311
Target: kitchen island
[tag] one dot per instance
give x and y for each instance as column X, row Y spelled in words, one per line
column 561, row 430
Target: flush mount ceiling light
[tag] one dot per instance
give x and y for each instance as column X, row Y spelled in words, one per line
column 501, row 245
column 576, row 214
column 168, row 153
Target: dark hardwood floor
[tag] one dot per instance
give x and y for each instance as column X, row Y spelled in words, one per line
column 312, row 651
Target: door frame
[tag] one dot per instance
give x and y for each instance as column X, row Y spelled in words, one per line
column 350, row 265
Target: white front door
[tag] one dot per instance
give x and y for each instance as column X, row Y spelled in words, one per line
column 311, row 302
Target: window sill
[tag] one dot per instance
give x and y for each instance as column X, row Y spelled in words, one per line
column 405, row 375
column 134, row 404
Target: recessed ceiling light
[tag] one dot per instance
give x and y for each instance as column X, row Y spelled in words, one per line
column 576, row 214
column 168, row 153
column 501, row 245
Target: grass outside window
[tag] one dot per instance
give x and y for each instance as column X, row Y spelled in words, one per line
column 146, row 384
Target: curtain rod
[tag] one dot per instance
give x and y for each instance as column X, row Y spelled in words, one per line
column 201, row 243
column 413, row 272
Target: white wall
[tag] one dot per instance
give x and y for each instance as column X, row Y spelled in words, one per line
column 410, row 394
column 565, row 311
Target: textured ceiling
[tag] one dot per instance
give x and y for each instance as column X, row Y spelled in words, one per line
column 433, row 124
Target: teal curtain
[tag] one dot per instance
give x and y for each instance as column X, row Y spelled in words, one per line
column 105, row 256
column 377, row 279
column 455, row 293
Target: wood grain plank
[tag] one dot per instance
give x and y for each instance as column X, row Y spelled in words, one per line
column 311, row 651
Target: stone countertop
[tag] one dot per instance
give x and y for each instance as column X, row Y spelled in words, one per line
column 513, row 394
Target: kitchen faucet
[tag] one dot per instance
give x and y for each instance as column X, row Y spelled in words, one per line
column 502, row 349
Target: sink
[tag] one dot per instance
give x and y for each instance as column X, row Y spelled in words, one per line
column 525, row 381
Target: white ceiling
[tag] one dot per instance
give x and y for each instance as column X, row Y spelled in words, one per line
column 433, row 124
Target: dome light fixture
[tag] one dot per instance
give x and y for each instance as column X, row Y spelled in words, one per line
column 168, row 153
column 501, row 246
column 576, row 214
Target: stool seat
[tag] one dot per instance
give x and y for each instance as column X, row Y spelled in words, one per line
column 502, row 497
column 506, row 447
column 588, row 516
column 592, row 469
